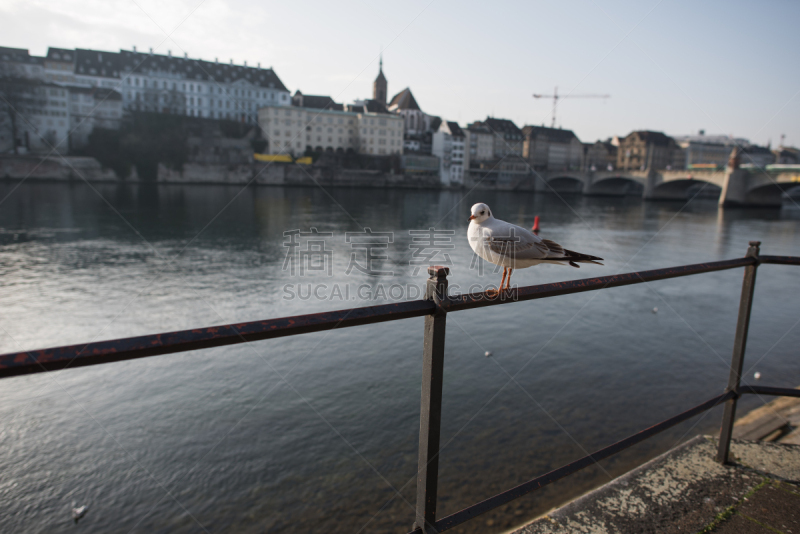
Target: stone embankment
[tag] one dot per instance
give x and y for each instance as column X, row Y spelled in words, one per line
column 292, row 174
column 70, row 168
column 55, row 168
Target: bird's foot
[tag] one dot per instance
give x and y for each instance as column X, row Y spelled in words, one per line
column 492, row 293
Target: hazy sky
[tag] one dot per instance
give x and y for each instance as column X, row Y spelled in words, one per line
column 726, row 67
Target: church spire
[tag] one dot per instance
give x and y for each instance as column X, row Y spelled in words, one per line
column 379, row 86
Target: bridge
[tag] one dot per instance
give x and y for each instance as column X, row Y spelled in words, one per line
column 732, row 187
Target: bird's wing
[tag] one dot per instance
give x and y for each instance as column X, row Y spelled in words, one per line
column 554, row 250
column 510, row 240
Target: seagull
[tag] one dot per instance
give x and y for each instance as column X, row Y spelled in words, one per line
column 513, row 247
column 78, row 513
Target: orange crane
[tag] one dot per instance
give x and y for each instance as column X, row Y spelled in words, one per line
column 555, row 98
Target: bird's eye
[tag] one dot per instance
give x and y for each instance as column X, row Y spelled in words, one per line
column 482, row 213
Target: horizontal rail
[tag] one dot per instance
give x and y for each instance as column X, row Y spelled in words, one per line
column 50, row 359
column 477, row 300
column 766, row 390
column 37, row 361
column 780, row 260
column 500, row 499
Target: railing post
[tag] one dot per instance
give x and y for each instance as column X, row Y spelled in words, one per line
column 739, row 344
column 430, row 413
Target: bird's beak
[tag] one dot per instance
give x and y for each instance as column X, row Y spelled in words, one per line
column 472, row 217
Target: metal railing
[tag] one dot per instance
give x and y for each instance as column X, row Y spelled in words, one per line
column 435, row 307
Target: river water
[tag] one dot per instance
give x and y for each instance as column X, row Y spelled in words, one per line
column 318, row 433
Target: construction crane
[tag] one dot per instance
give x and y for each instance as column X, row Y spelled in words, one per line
column 555, row 98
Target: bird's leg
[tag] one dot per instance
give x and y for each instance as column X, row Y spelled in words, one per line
column 500, row 288
column 508, row 281
column 495, row 292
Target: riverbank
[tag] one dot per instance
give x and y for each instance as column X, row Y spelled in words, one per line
column 71, row 168
column 686, row 490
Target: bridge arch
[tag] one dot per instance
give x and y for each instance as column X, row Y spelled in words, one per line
column 565, row 184
column 770, row 194
column 616, row 186
column 684, row 189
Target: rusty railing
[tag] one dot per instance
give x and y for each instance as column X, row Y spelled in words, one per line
column 434, row 308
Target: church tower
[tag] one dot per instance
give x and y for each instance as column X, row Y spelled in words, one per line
column 379, row 85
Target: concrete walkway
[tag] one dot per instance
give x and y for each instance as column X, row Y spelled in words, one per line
column 685, row 490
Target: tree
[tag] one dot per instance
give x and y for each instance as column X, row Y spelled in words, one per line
column 104, row 145
column 153, row 138
column 19, row 97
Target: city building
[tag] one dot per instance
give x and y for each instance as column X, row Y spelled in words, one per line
column 17, row 62
column 493, row 153
column 197, row 88
column 703, row 150
column 91, row 108
column 787, row 155
column 643, row 149
column 59, row 66
column 315, row 102
column 601, row 155
column 757, row 156
column 34, row 117
column 508, row 138
column 552, row 148
column 380, row 85
column 418, row 125
column 96, row 68
column 380, row 132
column 449, row 143
column 419, row 164
column 132, row 81
column 361, row 127
column 157, row 83
column 479, row 143
column 508, row 172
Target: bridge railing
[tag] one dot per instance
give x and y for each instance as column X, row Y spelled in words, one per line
column 434, row 308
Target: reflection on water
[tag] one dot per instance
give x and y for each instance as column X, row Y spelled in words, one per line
column 318, row 432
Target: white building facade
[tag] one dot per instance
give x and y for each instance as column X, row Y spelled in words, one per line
column 43, row 119
column 166, row 84
column 479, row 143
column 293, row 130
column 449, row 145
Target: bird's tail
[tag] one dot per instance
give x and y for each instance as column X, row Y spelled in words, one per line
column 574, row 258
